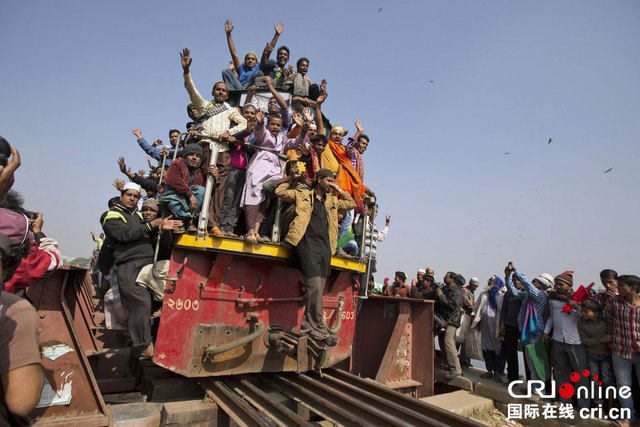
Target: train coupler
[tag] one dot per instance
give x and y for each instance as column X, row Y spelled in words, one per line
column 297, row 345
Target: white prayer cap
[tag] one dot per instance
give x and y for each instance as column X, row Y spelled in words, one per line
column 132, row 186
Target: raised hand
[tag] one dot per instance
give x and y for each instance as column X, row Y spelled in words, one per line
column 122, row 165
column 288, row 71
column 388, row 218
column 118, row 184
column 268, row 48
column 185, row 59
column 36, row 225
column 137, row 133
column 322, row 97
column 297, row 119
column 228, row 26
column 279, row 27
column 308, row 117
column 231, row 66
column 323, row 85
column 7, row 177
column 359, row 126
column 140, row 172
column 260, row 116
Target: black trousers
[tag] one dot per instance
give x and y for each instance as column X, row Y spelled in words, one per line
column 313, row 317
column 136, row 301
column 231, row 201
column 511, row 337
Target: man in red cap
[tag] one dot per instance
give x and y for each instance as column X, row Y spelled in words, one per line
column 569, row 355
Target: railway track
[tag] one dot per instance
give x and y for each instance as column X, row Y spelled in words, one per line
column 332, row 395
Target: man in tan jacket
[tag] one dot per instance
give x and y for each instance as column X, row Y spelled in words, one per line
column 314, row 233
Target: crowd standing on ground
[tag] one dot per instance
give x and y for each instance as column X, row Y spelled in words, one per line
column 560, row 328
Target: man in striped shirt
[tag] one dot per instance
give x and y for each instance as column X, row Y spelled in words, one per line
column 214, row 122
column 624, row 320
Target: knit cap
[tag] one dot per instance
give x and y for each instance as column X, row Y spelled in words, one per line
column 192, row 149
column 565, row 278
column 151, row 204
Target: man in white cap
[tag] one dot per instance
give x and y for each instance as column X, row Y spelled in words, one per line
column 421, row 272
column 132, row 249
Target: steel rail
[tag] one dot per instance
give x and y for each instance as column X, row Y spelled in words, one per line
column 379, row 393
column 381, row 413
column 233, row 405
column 337, row 396
column 246, row 387
column 335, row 412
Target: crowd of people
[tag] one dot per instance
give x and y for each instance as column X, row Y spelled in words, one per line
column 560, row 328
column 243, row 160
column 252, row 170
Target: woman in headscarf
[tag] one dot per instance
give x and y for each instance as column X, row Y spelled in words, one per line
column 486, row 312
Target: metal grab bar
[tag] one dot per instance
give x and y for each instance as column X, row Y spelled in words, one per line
column 364, row 234
column 154, row 269
column 335, row 330
column 206, row 201
column 211, row 350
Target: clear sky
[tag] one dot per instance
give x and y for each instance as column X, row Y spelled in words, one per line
column 506, row 76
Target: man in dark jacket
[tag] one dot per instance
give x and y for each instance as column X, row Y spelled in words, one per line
column 448, row 303
column 184, row 185
column 509, row 319
column 132, row 249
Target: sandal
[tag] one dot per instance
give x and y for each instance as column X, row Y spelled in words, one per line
column 251, row 238
column 215, row 231
column 263, row 239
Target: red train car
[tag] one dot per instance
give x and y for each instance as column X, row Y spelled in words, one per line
column 232, row 307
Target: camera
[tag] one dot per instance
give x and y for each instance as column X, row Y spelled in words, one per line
column 29, row 214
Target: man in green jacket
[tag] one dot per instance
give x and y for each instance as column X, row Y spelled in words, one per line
column 314, row 233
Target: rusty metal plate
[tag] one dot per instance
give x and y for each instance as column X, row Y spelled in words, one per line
column 230, row 293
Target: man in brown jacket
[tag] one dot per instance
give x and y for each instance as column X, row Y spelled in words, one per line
column 314, row 233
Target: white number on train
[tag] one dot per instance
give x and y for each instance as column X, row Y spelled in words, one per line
column 180, row 304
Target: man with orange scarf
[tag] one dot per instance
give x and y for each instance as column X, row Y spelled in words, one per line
column 335, row 158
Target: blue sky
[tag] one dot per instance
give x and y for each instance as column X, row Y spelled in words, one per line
column 78, row 76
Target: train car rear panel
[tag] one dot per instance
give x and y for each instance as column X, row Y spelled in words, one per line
column 226, row 290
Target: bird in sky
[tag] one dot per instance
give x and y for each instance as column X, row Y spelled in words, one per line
column 608, row 170
column 430, row 81
column 549, row 141
column 507, row 152
column 379, row 10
